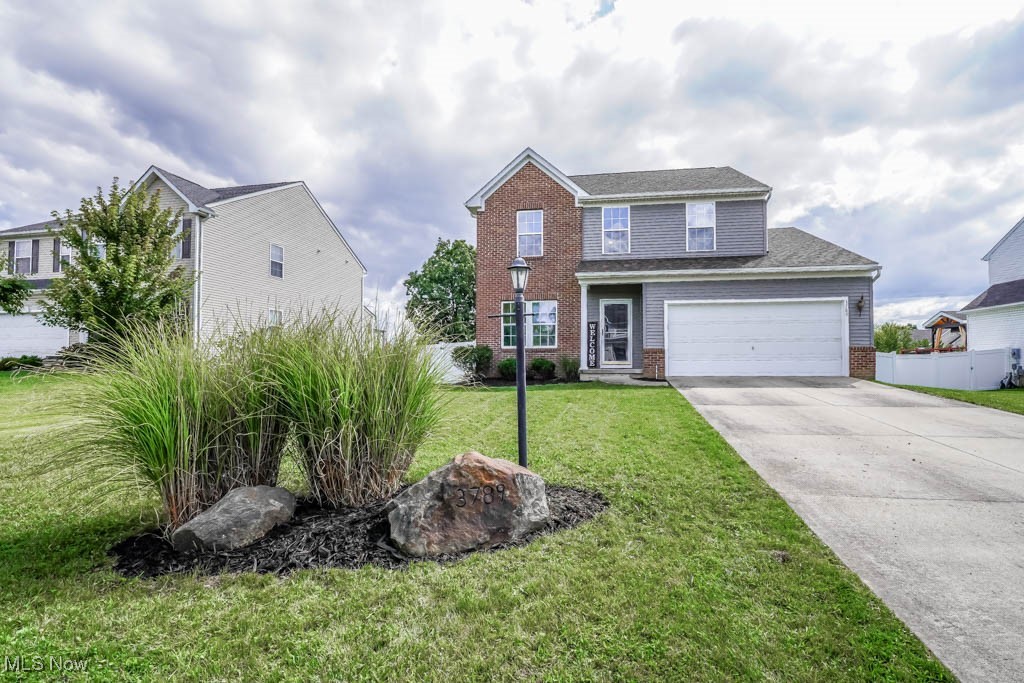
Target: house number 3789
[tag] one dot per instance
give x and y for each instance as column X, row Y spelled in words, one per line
column 484, row 494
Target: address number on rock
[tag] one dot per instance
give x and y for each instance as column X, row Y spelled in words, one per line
column 485, row 495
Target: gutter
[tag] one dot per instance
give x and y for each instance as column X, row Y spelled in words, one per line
column 598, row 275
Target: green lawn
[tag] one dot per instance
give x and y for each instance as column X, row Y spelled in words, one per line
column 680, row 579
column 1010, row 400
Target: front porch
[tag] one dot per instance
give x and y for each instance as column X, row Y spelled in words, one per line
column 611, row 331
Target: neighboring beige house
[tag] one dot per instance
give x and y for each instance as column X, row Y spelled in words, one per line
column 261, row 253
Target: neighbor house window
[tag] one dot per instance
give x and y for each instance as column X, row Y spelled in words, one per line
column 101, row 250
column 63, row 256
column 530, row 233
column 615, row 230
column 540, row 321
column 275, row 317
column 23, row 257
column 700, row 226
column 276, row 261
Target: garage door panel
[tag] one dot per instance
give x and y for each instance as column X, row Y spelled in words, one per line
column 25, row 334
column 756, row 338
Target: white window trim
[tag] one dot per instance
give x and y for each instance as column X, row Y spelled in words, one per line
column 272, row 261
column 18, row 243
column 176, row 249
column 528, row 322
column 64, row 256
column 270, row 315
column 629, row 230
column 520, row 234
column 714, row 228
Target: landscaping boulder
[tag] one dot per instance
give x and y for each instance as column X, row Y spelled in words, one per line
column 472, row 502
column 243, row 516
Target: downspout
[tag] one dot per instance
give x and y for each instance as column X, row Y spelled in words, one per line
column 197, row 307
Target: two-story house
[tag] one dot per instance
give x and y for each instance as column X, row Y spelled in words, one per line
column 995, row 318
column 671, row 272
column 259, row 253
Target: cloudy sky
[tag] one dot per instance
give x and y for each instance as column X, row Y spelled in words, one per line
column 894, row 129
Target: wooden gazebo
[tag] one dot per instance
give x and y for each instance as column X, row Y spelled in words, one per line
column 949, row 330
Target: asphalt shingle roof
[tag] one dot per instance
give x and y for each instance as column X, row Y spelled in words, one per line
column 787, row 248
column 999, row 295
column 27, row 229
column 680, row 180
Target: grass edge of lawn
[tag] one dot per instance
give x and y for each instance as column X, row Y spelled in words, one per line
column 1006, row 400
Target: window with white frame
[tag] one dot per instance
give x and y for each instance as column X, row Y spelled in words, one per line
column 700, row 226
column 615, row 230
column 176, row 251
column 540, row 322
column 65, row 256
column 530, row 233
column 23, row 257
column 101, row 250
column 276, row 261
column 275, row 317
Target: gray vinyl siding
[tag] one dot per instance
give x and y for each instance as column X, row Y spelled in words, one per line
column 659, row 231
column 319, row 269
column 655, row 294
column 632, row 292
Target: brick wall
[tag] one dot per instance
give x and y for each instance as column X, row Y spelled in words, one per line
column 654, row 363
column 553, row 275
column 862, row 362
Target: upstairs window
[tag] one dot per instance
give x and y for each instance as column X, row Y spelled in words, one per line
column 276, row 261
column 540, row 321
column 530, row 233
column 275, row 317
column 62, row 255
column 100, row 249
column 615, row 230
column 23, row 257
column 700, row 226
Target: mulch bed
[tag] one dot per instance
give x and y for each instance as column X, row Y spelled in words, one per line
column 347, row 538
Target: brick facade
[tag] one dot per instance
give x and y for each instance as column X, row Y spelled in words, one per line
column 553, row 275
column 654, row 363
column 862, row 362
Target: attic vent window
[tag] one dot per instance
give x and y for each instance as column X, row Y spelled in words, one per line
column 276, row 261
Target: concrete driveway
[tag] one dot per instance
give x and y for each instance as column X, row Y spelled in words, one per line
column 921, row 496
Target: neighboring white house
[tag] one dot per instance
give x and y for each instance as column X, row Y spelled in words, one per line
column 260, row 252
column 995, row 319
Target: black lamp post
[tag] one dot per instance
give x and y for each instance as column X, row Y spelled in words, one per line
column 520, row 274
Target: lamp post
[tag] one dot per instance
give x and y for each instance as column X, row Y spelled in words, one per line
column 520, row 272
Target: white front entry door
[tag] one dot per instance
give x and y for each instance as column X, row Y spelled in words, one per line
column 616, row 333
column 805, row 337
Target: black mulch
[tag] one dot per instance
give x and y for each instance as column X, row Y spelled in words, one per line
column 322, row 537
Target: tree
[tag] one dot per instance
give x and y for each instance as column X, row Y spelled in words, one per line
column 443, row 292
column 893, row 336
column 121, row 272
column 14, row 289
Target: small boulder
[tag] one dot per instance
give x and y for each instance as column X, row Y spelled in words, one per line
column 472, row 502
column 241, row 517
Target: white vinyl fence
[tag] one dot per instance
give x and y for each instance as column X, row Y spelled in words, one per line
column 959, row 370
column 442, row 355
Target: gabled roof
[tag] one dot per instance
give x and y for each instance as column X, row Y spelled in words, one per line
column 198, row 197
column 788, row 249
column 1003, row 294
column 595, row 187
column 44, row 226
column 955, row 316
column 1005, row 237
column 675, row 182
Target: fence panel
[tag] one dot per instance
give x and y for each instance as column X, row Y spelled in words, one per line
column 973, row 370
column 441, row 354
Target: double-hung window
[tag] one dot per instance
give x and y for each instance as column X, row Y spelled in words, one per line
column 615, row 230
column 540, row 323
column 530, row 233
column 63, row 256
column 101, row 250
column 700, row 226
column 276, row 261
column 23, row 257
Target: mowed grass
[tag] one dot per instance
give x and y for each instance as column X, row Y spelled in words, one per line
column 1010, row 400
column 680, row 579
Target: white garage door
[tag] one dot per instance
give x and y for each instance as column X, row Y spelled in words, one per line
column 777, row 338
column 26, row 335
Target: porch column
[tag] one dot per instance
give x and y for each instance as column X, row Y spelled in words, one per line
column 583, row 325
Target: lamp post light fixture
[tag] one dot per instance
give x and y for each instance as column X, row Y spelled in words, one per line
column 520, row 272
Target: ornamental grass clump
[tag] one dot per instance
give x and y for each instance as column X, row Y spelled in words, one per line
column 360, row 403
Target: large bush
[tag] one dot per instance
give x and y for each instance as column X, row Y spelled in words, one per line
column 893, row 336
column 507, row 369
column 542, row 369
column 475, row 361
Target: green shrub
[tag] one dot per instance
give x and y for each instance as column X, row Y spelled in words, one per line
column 15, row 362
column 542, row 369
column 570, row 368
column 360, row 404
column 894, row 336
column 475, row 361
column 507, row 369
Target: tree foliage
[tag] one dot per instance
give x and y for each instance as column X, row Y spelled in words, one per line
column 14, row 289
column 894, row 336
column 442, row 294
column 122, row 270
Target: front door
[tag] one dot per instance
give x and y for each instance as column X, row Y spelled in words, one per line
column 616, row 333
